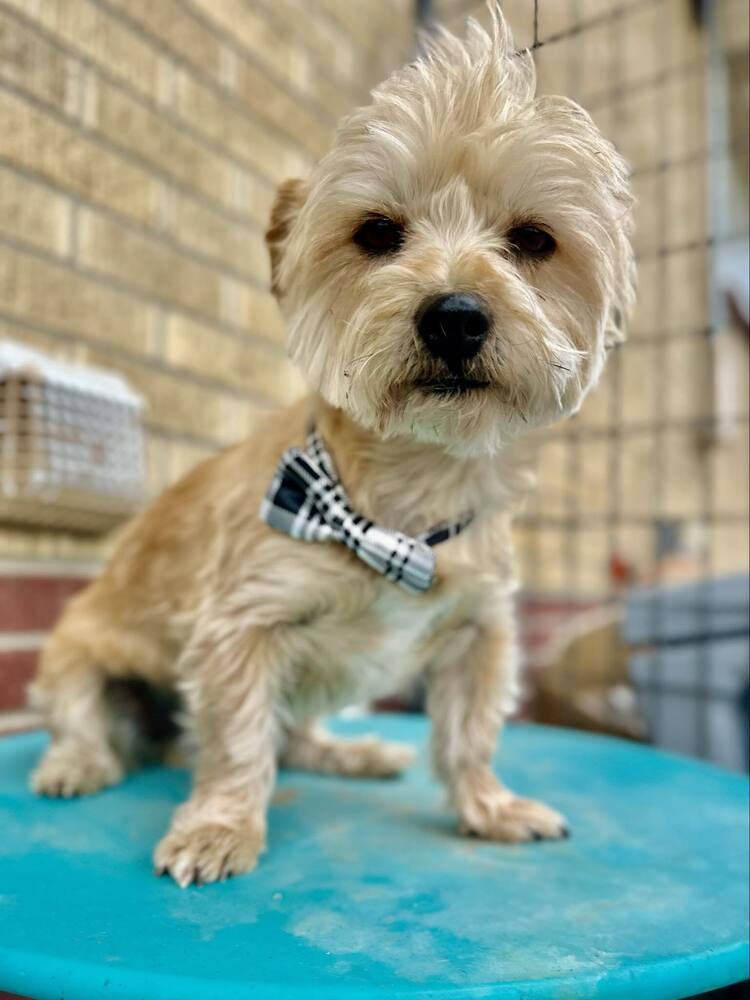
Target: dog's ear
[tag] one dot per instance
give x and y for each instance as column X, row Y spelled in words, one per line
column 289, row 200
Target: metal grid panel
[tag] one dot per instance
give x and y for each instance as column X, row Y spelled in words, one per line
column 643, row 502
column 71, row 445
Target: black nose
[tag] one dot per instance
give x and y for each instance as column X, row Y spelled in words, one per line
column 454, row 327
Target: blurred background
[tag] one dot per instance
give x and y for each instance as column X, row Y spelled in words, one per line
column 140, row 145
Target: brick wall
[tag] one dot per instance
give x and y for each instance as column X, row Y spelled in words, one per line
column 140, row 146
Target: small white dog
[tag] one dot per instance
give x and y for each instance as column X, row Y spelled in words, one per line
column 451, row 274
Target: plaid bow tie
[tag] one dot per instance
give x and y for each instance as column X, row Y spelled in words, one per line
column 307, row 501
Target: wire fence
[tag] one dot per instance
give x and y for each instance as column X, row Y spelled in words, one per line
column 635, row 549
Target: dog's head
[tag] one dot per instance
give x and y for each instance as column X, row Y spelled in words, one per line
column 457, row 264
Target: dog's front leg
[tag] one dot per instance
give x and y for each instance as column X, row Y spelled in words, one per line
column 230, row 677
column 467, row 685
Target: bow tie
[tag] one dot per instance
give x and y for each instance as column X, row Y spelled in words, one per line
column 307, row 501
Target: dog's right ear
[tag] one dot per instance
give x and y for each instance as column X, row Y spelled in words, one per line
column 289, row 200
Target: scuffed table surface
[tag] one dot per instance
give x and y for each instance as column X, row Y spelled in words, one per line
column 367, row 891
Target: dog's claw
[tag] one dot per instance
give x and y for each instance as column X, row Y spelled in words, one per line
column 515, row 820
column 207, row 853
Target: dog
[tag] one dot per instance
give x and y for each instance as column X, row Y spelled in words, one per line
column 451, row 275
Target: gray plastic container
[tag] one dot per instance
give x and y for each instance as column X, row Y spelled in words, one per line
column 690, row 666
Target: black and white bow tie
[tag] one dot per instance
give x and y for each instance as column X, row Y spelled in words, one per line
column 307, row 501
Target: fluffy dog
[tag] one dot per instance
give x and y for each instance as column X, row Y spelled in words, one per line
column 450, row 275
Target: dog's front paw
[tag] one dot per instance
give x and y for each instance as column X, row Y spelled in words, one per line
column 505, row 817
column 207, row 852
column 69, row 770
column 390, row 759
column 372, row 758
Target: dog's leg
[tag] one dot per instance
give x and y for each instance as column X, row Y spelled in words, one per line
column 69, row 692
column 311, row 748
column 465, row 702
column 230, row 674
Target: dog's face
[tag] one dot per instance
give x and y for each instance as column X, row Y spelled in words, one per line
column 458, row 262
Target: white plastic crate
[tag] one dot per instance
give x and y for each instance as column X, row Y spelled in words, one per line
column 71, row 443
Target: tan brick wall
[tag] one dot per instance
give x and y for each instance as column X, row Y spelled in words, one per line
column 140, row 146
column 637, row 453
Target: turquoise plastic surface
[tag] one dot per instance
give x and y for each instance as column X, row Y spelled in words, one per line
column 367, row 891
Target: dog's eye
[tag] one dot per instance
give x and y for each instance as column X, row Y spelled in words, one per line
column 531, row 241
column 379, row 235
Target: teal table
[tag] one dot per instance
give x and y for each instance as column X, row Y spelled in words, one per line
column 366, row 891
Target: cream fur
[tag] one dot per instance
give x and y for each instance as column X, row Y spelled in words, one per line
column 263, row 634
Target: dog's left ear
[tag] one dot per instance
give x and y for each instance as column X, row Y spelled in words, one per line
column 289, row 200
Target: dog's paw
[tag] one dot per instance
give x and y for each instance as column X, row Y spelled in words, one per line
column 513, row 820
column 373, row 758
column 207, row 852
column 65, row 772
column 365, row 757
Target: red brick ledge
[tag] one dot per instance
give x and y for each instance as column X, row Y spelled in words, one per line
column 16, row 670
column 33, row 603
column 31, row 600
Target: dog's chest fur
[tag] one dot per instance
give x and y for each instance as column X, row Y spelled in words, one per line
column 372, row 653
column 401, row 634
column 374, row 638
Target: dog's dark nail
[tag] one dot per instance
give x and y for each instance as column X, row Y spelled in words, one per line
column 565, row 832
column 536, row 835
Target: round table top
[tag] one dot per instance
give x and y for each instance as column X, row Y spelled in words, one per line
column 367, row 891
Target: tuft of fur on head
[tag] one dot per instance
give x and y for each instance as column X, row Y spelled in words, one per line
column 456, row 149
